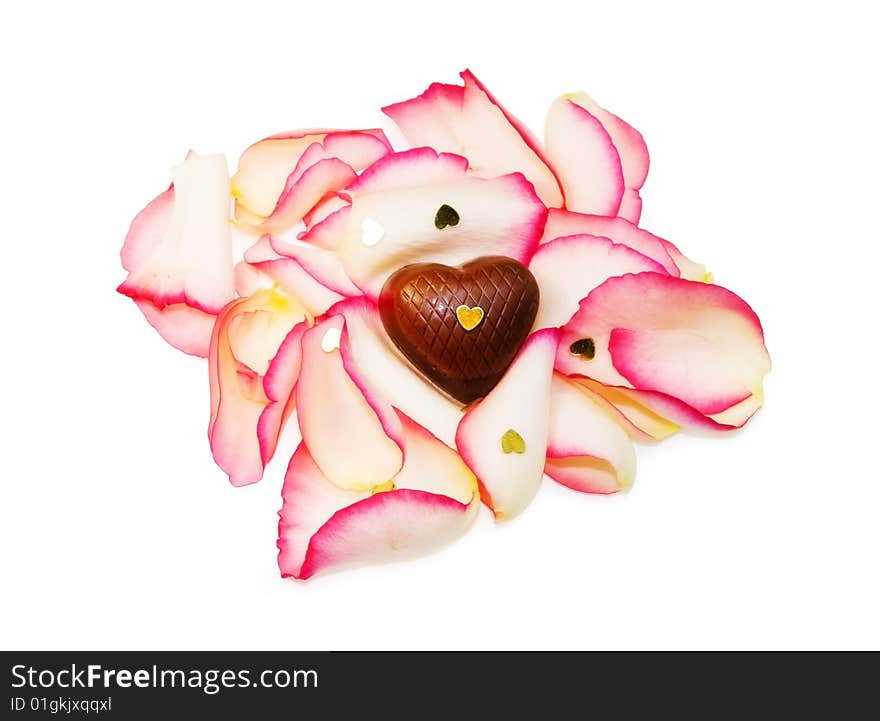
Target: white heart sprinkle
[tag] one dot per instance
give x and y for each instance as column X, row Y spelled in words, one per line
column 371, row 232
column 331, row 339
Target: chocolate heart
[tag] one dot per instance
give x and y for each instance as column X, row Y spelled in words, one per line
column 461, row 327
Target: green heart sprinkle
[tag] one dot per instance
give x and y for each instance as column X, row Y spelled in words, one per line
column 585, row 348
column 446, row 215
column 512, row 442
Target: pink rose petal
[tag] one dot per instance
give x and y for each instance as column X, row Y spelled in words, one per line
column 386, row 377
column 187, row 329
column 631, row 148
column 640, row 422
column 391, row 227
column 587, row 448
column 302, row 193
column 467, row 120
column 184, row 256
column 584, row 159
column 568, row 268
column 355, row 444
column 695, row 343
column 264, row 169
column 562, row 222
column 323, row 265
column 517, row 408
column 246, row 338
column 431, row 502
column 290, row 277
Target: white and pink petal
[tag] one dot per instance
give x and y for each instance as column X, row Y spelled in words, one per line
column 266, row 167
column 631, row 148
column 432, row 501
column 356, row 444
column 584, row 159
column 388, row 227
column 467, row 120
column 587, row 447
column 698, row 344
column 386, row 377
column 568, row 268
column 564, row 222
column 246, row 338
column 503, row 437
column 179, row 248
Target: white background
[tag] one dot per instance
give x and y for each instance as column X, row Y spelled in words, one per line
column 117, row 530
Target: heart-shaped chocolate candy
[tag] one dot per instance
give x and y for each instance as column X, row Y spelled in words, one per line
column 461, row 327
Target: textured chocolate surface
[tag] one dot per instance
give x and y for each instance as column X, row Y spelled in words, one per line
column 418, row 309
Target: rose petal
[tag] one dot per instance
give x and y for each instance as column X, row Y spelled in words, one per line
column 265, row 167
column 329, row 204
column 467, row 120
column 503, row 437
column 383, row 375
column 562, row 222
column 185, row 255
column 640, row 422
column 302, row 193
column 568, row 268
column 187, row 329
column 584, row 159
column 323, row 265
column 147, row 229
column 258, row 252
column 587, row 449
column 291, row 277
column 631, row 148
column 278, row 385
column 676, row 411
column 354, row 444
column 329, row 232
column 246, row 337
column 501, row 216
column 699, row 344
column 690, row 270
column 322, row 527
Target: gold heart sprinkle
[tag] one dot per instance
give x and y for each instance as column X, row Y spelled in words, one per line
column 469, row 318
column 512, row 442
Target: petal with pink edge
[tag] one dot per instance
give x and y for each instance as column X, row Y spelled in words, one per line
column 699, row 344
column 621, row 231
column 563, row 222
column 179, row 249
column 587, row 449
column 467, row 120
column 631, row 148
column 389, row 228
column 290, row 277
column 568, row 268
column 584, row 159
column 329, row 204
column 322, row 264
column 303, row 192
column 265, row 167
column 356, row 445
column 278, row 385
column 431, row 502
column 503, row 437
column 639, row 421
column 386, row 378
column 187, row 329
column 246, row 338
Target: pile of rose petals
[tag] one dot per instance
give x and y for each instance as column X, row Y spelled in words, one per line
column 632, row 341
